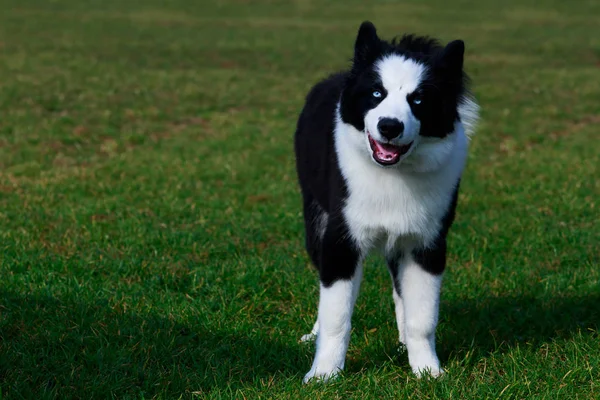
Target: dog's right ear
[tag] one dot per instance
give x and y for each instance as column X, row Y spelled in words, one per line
column 452, row 58
column 367, row 45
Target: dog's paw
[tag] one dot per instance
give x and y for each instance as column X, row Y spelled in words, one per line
column 424, row 363
column 320, row 376
column 309, row 337
column 428, row 371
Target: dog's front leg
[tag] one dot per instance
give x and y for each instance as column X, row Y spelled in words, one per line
column 340, row 275
column 420, row 277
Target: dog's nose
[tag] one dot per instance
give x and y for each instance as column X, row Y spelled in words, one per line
column 390, row 128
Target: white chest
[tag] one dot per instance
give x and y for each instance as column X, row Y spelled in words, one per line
column 381, row 209
column 387, row 207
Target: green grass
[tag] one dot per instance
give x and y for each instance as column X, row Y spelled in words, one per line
column 151, row 235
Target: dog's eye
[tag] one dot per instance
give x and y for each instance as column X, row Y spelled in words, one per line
column 416, row 100
column 377, row 93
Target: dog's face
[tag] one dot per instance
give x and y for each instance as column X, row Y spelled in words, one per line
column 403, row 98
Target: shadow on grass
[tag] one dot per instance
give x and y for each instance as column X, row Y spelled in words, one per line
column 488, row 324
column 53, row 347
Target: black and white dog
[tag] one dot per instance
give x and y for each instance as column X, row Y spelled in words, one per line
column 380, row 150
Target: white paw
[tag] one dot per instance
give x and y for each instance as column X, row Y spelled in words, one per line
column 309, row 337
column 434, row 371
column 423, row 360
column 316, row 374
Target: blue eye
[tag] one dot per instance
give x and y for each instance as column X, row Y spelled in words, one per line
column 417, row 100
column 377, row 94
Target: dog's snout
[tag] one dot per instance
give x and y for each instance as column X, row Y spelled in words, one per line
column 390, row 128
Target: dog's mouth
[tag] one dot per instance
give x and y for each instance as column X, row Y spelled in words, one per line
column 387, row 154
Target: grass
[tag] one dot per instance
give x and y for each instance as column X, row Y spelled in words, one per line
column 151, row 236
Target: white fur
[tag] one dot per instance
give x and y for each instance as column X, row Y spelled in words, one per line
column 389, row 208
column 400, row 77
column 313, row 333
column 409, row 201
column 393, row 208
column 399, row 309
column 468, row 110
column 336, row 304
column 420, row 299
column 322, row 220
column 401, row 208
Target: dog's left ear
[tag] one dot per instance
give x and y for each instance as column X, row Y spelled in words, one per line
column 452, row 57
column 366, row 46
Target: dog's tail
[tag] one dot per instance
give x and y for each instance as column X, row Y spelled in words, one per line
column 468, row 110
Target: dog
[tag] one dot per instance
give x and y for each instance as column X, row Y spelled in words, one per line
column 380, row 150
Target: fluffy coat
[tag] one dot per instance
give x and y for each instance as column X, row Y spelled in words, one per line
column 380, row 150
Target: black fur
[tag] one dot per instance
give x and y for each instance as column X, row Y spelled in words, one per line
column 322, row 184
column 440, row 91
column 321, row 181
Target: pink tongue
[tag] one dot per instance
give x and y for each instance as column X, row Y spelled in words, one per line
column 386, row 152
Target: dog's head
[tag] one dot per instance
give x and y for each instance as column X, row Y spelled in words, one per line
column 404, row 97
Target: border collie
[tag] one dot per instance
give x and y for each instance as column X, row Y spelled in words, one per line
column 380, row 150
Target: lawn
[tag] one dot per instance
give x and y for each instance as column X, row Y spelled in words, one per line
column 150, row 224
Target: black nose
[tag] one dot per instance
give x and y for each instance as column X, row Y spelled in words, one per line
column 390, row 128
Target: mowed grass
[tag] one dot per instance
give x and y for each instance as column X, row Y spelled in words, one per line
column 151, row 234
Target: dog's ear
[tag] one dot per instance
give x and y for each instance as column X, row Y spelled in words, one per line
column 367, row 45
column 452, row 57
